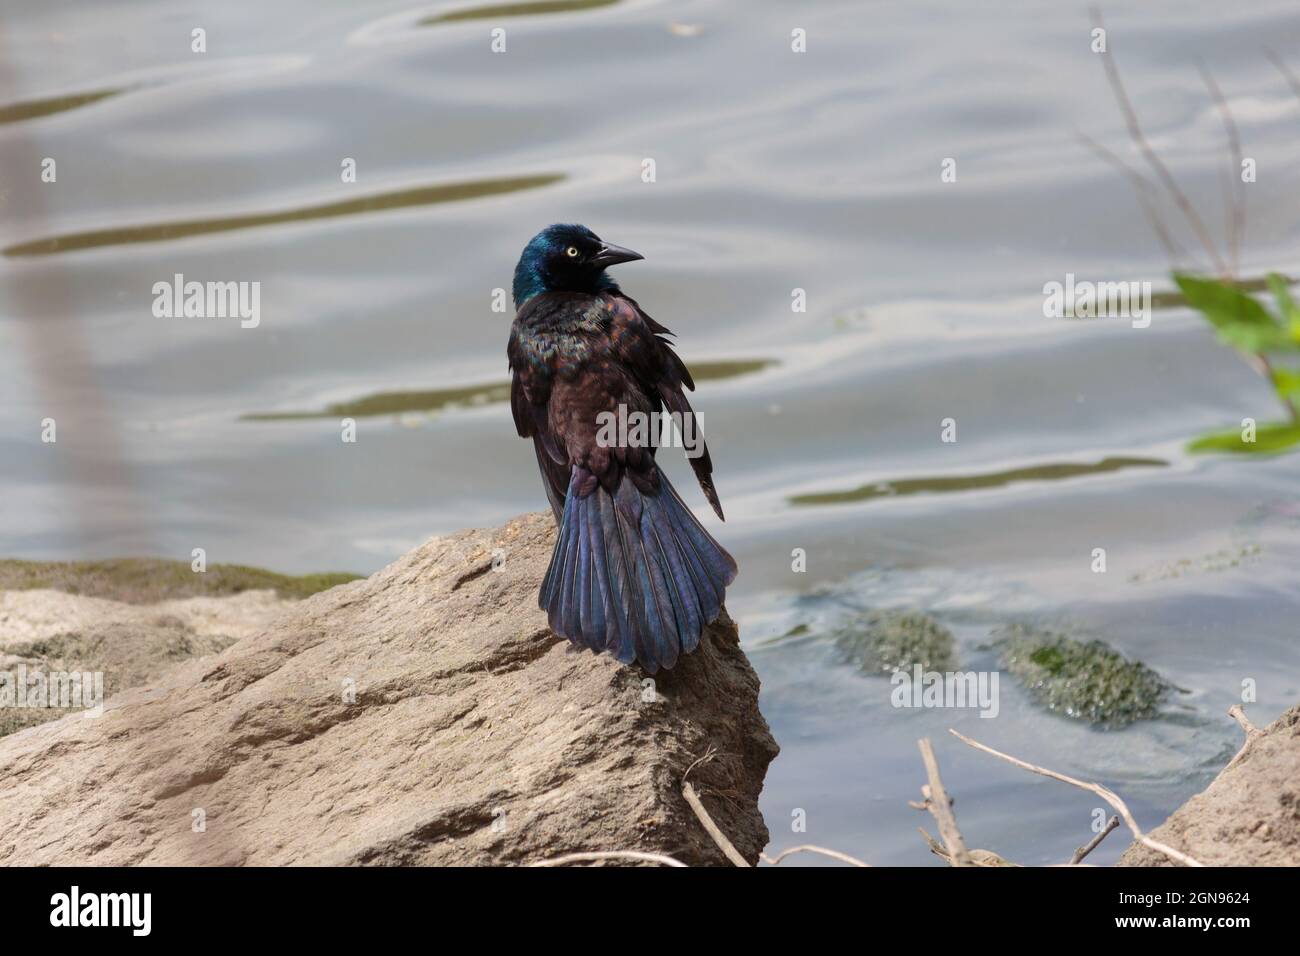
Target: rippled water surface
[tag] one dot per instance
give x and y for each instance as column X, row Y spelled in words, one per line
column 774, row 171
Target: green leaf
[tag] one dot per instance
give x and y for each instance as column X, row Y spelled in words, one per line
column 1287, row 383
column 1270, row 438
column 1285, row 304
column 1240, row 320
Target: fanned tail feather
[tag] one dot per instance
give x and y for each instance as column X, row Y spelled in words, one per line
column 634, row 573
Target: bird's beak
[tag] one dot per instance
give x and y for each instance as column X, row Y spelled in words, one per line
column 611, row 255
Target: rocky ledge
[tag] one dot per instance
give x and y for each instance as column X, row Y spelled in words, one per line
column 423, row 715
column 1249, row 815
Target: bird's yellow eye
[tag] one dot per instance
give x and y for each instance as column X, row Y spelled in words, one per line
column 571, row 252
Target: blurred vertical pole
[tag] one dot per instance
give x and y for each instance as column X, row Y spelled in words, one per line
column 86, row 471
column 98, row 492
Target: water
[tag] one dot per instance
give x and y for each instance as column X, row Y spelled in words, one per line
column 774, row 171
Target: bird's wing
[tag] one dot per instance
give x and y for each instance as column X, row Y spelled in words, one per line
column 642, row 347
column 529, row 393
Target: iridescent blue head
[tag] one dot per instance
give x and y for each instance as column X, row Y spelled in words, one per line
column 567, row 257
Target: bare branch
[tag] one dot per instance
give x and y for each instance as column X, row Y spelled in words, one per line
column 1092, row 844
column 1239, row 715
column 1144, row 189
column 940, row 807
column 1104, row 792
column 1292, row 80
column 1253, row 733
column 809, row 848
column 1263, row 366
column 708, row 755
column 977, row 857
column 1153, row 160
column 937, row 848
column 725, row 845
column 1237, row 210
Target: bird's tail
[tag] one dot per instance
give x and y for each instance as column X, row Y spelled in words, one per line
column 634, row 573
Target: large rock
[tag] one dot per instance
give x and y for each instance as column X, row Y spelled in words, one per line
column 48, row 631
column 425, row 715
column 1249, row 815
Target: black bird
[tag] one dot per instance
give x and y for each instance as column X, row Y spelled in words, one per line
column 633, row 572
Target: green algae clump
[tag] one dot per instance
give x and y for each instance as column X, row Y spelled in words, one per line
column 881, row 642
column 1086, row 680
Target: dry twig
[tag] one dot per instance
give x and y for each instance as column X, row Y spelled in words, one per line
column 1145, row 191
column 720, row 838
column 1092, row 844
column 940, row 807
column 1152, row 158
column 693, row 800
column 1253, row 733
column 1288, row 74
column 1235, row 198
column 809, row 848
column 1239, row 715
column 1104, row 792
column 977, row 857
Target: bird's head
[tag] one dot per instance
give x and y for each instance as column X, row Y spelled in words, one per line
column 566, row 258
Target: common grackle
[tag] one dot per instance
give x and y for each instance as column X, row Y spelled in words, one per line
column 633, row 572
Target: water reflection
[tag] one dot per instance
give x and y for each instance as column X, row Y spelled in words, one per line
column 948, row 483
column 166, row 231
column 433, row 400
column 31, row 109
column 495, row 10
